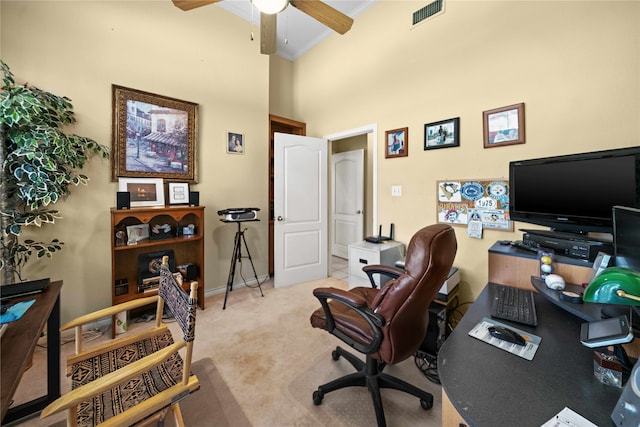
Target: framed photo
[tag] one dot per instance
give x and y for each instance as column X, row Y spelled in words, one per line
column 178, row 193
column 397, row 143
column 442, row 134
column 143, row 191
column 235, row 143
column 153, row 136
column 503, row 126
column 136, row 233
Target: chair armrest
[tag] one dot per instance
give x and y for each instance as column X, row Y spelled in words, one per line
column 385, row 270
column 359, row 306
column 109, row 311
column 335, row 293
column 110, row 380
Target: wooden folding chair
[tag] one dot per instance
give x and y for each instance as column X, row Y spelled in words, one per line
column 135, row 379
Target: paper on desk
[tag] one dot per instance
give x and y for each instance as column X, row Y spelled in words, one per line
column 481, row 332
column 15, row 311
column 568, row 418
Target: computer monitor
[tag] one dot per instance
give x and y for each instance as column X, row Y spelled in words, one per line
column 626, row 237
column 626, row 253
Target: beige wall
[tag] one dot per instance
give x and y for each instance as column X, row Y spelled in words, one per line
column 574, row 64
column 79, row 49
column 281, row 99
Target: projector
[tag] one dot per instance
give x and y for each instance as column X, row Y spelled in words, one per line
column 239, row 214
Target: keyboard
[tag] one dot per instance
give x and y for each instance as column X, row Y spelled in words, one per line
column 514, row 304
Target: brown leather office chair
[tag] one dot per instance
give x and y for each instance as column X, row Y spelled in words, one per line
column 388, row 324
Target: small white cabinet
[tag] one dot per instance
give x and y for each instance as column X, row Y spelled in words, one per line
column 365, row 253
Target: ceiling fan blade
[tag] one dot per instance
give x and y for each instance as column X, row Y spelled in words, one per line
column 268, row 33
column 192, row 4
column 320, row 11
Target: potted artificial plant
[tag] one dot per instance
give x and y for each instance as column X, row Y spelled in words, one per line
column 40, row 163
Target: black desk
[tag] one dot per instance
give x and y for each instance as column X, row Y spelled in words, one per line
column 18, row 344
column 479, row 379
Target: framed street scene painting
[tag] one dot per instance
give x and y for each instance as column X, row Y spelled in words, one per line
column 154, row 136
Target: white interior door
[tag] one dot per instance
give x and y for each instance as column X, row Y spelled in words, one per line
column 300, row 209
column 347, row 196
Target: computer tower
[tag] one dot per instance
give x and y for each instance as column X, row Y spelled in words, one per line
column 625, row 414
column 436, row 331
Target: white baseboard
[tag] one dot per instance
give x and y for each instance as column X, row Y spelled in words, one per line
column 239, row 285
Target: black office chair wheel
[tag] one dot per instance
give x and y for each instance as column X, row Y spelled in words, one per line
column 335, row 355
column 426, row 404
column 317, row 397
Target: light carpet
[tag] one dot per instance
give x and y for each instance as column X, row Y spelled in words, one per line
column 259, row 361
column 273, row 360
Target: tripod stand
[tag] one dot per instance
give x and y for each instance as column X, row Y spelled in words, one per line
column 237, row 258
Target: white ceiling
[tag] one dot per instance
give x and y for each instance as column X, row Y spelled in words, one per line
column 297, row 31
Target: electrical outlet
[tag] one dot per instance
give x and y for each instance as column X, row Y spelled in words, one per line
column 396, row 190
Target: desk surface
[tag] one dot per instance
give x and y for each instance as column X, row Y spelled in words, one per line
column 20, row 339
column 479, row 379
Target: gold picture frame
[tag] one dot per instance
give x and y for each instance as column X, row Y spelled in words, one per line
column 235, row 143
column 153, row 136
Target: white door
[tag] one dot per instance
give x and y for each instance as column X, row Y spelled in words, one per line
column 347, row 196
column 300, row 209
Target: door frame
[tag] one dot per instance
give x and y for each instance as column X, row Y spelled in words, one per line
column 371, row 128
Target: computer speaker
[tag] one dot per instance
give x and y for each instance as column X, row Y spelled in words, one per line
column 194, row 198
column 123, row 200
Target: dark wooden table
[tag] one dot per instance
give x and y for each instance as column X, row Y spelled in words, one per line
column 490, row 387
column 18, row 344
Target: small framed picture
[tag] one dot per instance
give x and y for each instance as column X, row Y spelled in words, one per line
column 136, row 233
column 442, row 134
column 397, row 143
column 503, row 126
column 235, row 143
column 178, row 193
column 144, row 191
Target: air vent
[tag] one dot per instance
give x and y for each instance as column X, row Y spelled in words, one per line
column 428, row 11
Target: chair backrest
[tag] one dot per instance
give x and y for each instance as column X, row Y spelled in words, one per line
column 182, row 305
column 404, row 302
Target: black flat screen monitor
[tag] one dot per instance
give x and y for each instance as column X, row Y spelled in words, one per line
column 626, row 237
column 576, row 192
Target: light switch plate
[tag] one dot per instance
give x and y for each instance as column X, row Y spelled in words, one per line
column 396, row 190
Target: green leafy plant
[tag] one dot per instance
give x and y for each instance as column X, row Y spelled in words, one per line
column 40, row 164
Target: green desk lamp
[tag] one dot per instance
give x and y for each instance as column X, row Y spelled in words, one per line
column 615, row 285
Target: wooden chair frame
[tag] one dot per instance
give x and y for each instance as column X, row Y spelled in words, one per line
column 158, row 404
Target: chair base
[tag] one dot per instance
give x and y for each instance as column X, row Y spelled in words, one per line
column 370, row 375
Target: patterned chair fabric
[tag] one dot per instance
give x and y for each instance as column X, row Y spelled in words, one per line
column 134, row 391
column 181, row 305
column 140, row 388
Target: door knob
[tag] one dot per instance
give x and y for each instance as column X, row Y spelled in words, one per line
column 358, row 212
column 279, row 218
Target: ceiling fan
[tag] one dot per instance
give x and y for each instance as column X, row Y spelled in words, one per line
column 320, row 11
